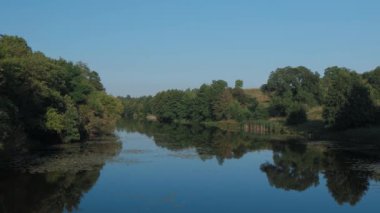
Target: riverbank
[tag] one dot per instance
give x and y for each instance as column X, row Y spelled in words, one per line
column 312, row 129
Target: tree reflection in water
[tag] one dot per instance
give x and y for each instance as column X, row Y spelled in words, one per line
column 296, row 165
column 58, row 181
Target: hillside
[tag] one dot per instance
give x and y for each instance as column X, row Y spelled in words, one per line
column 262, row 98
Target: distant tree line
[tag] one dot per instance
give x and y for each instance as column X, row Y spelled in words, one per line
column 349, row 99
column 51, row 99
column 211, row 102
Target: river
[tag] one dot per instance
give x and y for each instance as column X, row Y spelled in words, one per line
column 169, row 168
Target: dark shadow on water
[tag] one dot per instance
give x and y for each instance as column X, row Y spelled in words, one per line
column 56, row 180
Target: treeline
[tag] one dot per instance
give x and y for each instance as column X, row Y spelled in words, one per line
column 348, row 99
column 51, row 99
column 211, row 102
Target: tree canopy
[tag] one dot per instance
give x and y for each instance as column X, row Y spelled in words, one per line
column 347, row 100
column 297, row 83
column 210, row 102
column 292, row 91
column 47, row 97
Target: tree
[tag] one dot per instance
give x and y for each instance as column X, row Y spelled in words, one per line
column 347, row 100
column 279, row 106
column 358, row 110
column 239, row 84
column 238, row 112
column 297, row 115
column 13, row 46
column 42, row 95
column 221, row 108
column 137, row 108
column 169, row 105
column 65, row 124
column 373, row 79
column 292, row 85
column 210, row 102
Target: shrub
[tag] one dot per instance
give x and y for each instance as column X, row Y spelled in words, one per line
column 279, row 106
column 296, row 116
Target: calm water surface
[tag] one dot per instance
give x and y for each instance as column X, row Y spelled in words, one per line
column 158, row 168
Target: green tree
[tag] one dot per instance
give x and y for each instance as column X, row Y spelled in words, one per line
column 239, row 84
column 13, row 46
column 347, row 100
column 373, row 79
column 54, row 120
column 169, row 105
column 297, row 115
column 358, row 110
column 211, row 102
column 42, row 95
column 221, row 108
column 292, row 85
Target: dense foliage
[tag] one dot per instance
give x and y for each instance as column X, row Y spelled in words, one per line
column 348, row 98
column 373, row 79
column 348, row 101
column 290, row 87
column 210, row 102
column 296, row 116
column 48, row 98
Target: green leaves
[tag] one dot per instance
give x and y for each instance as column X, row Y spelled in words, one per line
column 99, row 115
column 348, row 102
column 297, row 115
column 13, row 46
column 373, row 79
column 54, row 120
column 64, row 124
column 292, row 85
column 47, row 94
column 211, row 102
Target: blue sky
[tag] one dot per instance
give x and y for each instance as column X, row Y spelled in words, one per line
column 140, row 47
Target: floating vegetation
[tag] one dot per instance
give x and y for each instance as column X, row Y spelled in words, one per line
column 66, row 157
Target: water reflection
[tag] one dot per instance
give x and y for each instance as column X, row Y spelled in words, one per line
column 296, row 164
column 56, row 180
column 50, row 192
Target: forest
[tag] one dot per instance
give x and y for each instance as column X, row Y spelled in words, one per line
column 50, row 100
column 342, row 98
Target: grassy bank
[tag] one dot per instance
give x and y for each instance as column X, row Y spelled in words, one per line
column 315, row 129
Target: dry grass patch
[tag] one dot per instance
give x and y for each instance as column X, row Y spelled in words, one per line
column 315, row 113
column 261, row 97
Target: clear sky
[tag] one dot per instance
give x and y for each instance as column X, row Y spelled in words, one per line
column 142, row 46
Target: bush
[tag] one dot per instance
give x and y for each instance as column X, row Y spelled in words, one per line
column 260, row 113
column 358, row 110
column 296, row 116
column 279, row 106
